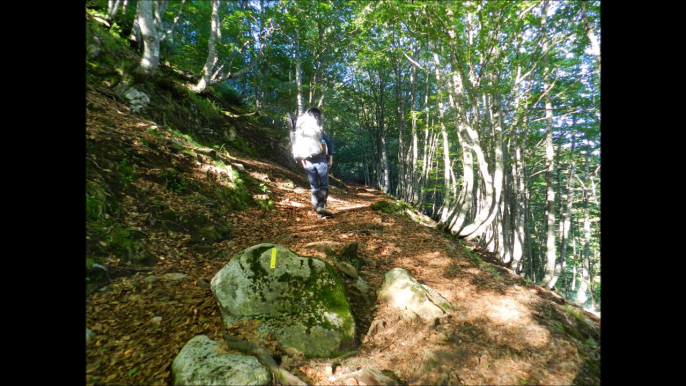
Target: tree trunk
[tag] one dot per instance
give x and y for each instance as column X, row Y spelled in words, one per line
column 401, row 185
column 595, row 45
column 259, row 88
column 581, row 296
column 413, row 196
column 298, row 73
column 493, row 187
column 446, row 144
column 151, row 42
column 385, row 182
column 169, row 33
column 160, row 7
column 112, row 8
column 210, row 76
column 567, row 216
column 211, row 61
column 549, row 159
column 462, row 94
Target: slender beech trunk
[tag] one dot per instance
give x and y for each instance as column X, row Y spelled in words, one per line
column 568, row 198
column 383, row 150
column 298, row 73
column 426, row 150
column 549, row 159
column 401, row 186
column 259, row 88
column 572, row 286
column 412, row 169
column 581, row 295
column 446, row 145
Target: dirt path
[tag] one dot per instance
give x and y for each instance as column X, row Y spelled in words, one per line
column 502, row 331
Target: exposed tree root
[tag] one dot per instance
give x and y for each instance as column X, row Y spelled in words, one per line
column 281, row 376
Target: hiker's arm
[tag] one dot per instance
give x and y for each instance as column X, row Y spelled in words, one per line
column 329, row 152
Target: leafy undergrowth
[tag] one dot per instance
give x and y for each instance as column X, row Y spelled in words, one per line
column 160, row 206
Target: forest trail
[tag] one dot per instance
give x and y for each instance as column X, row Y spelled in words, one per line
column 503, row 330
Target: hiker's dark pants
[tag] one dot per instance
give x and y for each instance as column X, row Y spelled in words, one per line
column 318, row 174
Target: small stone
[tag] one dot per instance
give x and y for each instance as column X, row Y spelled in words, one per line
column 292, row 351
column 175, row 276
column 89, row 335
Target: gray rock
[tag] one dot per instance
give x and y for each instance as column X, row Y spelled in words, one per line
column 199, row 363
column 402, row 291
column 150, row 279
column 368, row 377
column 362, row 285
column 301, row 301
column 174, row 276
column 93, row 49
column 347, row 269
column 137, row 99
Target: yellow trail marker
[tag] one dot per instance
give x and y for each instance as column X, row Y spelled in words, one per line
column 272, row 264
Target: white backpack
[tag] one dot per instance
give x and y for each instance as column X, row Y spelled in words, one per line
column 307, row 139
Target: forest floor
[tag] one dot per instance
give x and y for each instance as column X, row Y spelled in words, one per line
column 503, row 330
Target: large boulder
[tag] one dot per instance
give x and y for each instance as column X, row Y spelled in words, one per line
column 299, row 300
column 402, row 291
column 200, row 362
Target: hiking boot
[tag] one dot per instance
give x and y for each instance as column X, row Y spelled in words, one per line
column 315, row 199
column 323, row 211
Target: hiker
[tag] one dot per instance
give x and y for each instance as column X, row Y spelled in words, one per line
column 316, row 166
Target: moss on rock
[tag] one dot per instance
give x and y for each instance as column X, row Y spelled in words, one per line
column 300, row 300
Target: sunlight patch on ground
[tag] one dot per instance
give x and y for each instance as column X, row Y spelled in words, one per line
column 436, row 259
column 288, row 202
column 341, row 208
column 506, row 310
column 406, row 262
column 379, row 247
column 510, row 321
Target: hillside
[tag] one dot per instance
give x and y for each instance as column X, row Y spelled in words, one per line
column 168, row 206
